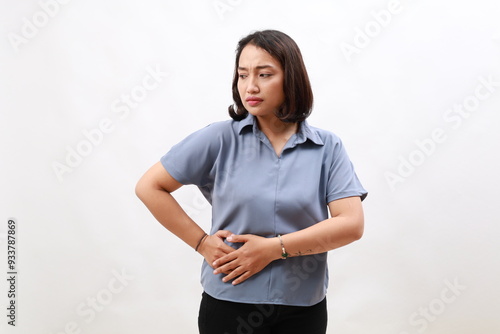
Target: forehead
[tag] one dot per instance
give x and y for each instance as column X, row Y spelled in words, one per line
column 253, row 56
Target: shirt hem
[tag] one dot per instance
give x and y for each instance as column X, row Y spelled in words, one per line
column 267, row 302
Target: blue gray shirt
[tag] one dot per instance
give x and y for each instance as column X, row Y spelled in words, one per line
column 254, row 191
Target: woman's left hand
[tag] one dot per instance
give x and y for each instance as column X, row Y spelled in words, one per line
column 256, row 253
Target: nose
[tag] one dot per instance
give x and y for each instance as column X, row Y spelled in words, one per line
column 252, row 86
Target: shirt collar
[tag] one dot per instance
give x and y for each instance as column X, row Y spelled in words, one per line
column 305, row 131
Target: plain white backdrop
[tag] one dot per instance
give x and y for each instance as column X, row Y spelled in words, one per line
column 93, row 93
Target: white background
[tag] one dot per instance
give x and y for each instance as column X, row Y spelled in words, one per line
column 92, row 259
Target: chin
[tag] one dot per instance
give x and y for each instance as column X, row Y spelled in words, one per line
column 258, row 112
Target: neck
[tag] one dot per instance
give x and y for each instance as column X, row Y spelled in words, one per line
column 278, row 132
column 274, row 127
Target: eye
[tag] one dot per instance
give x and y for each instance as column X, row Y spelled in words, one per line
column 243, row 76
column 265, row 75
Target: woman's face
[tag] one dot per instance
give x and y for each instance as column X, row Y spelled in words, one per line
column 260, row 82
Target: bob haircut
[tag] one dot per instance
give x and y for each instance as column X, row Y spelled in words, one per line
column 296, row 86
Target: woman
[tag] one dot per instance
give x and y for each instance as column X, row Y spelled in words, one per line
column 271, row 179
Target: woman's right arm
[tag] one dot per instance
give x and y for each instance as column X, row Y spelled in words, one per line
column 154, row 189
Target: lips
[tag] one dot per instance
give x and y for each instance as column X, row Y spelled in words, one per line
column 253, row 100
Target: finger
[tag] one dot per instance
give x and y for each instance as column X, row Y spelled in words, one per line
column 227, row 272
column 221, row 246
column 222, row 249
column 238, row 238
column 246, row 275
column 226, row 248
column 223, row 233
column 225, row 259
column 227, row 269
column 221, row 263
column 233, row 275
column 237, row 276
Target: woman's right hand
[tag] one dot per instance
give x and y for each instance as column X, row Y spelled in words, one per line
column 214, row 247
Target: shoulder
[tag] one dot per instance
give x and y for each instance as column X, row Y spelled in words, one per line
column 329, row 138
column 217, row 130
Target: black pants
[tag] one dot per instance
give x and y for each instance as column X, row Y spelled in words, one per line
column 223, row 317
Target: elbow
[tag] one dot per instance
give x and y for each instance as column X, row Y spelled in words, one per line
column 141, row 189
column 358, row 229
column 155, row 181
column 358, row 234
column 358, row 224
column 146, row 189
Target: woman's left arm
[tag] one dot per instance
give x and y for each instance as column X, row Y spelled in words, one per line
column 345, row 226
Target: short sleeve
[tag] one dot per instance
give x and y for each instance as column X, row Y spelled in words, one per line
column 192, row 160
column 342, row 179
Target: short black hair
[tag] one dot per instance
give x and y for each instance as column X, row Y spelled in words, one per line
column 296, row 86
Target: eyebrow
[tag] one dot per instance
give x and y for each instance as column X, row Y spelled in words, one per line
column 260, row 67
